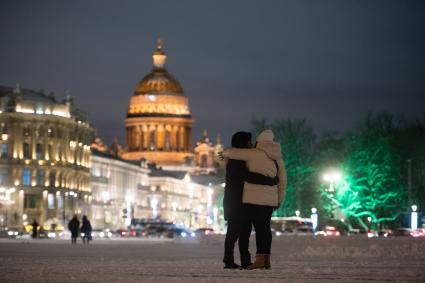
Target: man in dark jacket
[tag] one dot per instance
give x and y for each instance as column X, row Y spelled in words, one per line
column 34, row 225
column 74, row 227
column 237, row 223
column 86, row 230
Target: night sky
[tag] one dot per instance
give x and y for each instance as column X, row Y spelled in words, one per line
column 327, row 61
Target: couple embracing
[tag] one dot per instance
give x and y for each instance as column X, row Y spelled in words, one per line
column 255, row 185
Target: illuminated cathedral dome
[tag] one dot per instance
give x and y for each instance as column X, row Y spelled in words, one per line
column 159, row 81
column 159, row 122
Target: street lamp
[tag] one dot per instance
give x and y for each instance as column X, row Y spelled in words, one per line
column 332, row 177
column 414, row 218
column 314, row 218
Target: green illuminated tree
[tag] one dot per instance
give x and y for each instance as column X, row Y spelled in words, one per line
column 372, row 185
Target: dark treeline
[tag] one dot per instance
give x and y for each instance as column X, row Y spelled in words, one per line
column 381, row 161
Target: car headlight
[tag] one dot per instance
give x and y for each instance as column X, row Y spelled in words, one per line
column 192, row 234
column 109, row 234
column 183, row 234
column 101, row 234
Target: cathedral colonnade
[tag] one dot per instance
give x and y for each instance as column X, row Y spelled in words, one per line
column 159, row 137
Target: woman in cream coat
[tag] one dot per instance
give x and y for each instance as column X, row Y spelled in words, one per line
column 266, row 159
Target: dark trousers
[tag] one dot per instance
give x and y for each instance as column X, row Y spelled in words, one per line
column 238, row 230
column 260, row 216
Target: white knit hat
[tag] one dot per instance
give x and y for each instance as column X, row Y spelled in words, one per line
column 265, row 136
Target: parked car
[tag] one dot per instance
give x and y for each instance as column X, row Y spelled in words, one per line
column 204, row 231
column 418, row 233
column 175, row 232
column 329, row 231
column 102, row 234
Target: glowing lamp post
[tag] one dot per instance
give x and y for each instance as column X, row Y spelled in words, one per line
column 414, row 218
column 314, row 218
column 332, row 178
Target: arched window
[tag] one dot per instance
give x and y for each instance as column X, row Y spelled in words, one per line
column 204, row 161
column 26, row 149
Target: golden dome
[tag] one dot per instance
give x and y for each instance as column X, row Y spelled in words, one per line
column 159, row 81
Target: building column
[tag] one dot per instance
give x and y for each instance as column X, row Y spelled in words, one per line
column 160, row 137
column 142, row 138
column 182, row 138
column 173, row 138
column 146, row 136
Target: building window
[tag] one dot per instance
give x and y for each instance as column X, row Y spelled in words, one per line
column 40, row 177
column 38, row 151
column 31, row 201
column 3, row 128
column 50, row 151
column 60, row 202
column 27, row 152
column 4, row 151
column 26, row 177
column 51, row 201
column 50, row 133
column 204, row 161
column 52, row 178
column 3, row 177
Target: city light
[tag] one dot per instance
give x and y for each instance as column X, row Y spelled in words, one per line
column 414, row 218
column 314, row 218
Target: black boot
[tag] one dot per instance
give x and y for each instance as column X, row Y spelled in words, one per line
column 245, row 260
column 229, row 263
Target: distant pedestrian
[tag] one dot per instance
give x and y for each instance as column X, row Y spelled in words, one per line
column 86, row 230
column 74, row 227
column 34, row 225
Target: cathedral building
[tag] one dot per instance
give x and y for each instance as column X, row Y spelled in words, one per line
column 181, row 184
column 159, row 122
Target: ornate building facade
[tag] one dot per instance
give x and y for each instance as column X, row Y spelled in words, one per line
column 159, row 122
column 116, row 185
column 45, row 159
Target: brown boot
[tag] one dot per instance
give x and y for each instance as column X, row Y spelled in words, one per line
column 267, row 261
column 259, row 262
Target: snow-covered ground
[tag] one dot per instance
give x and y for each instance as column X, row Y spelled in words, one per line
column 294, row 259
